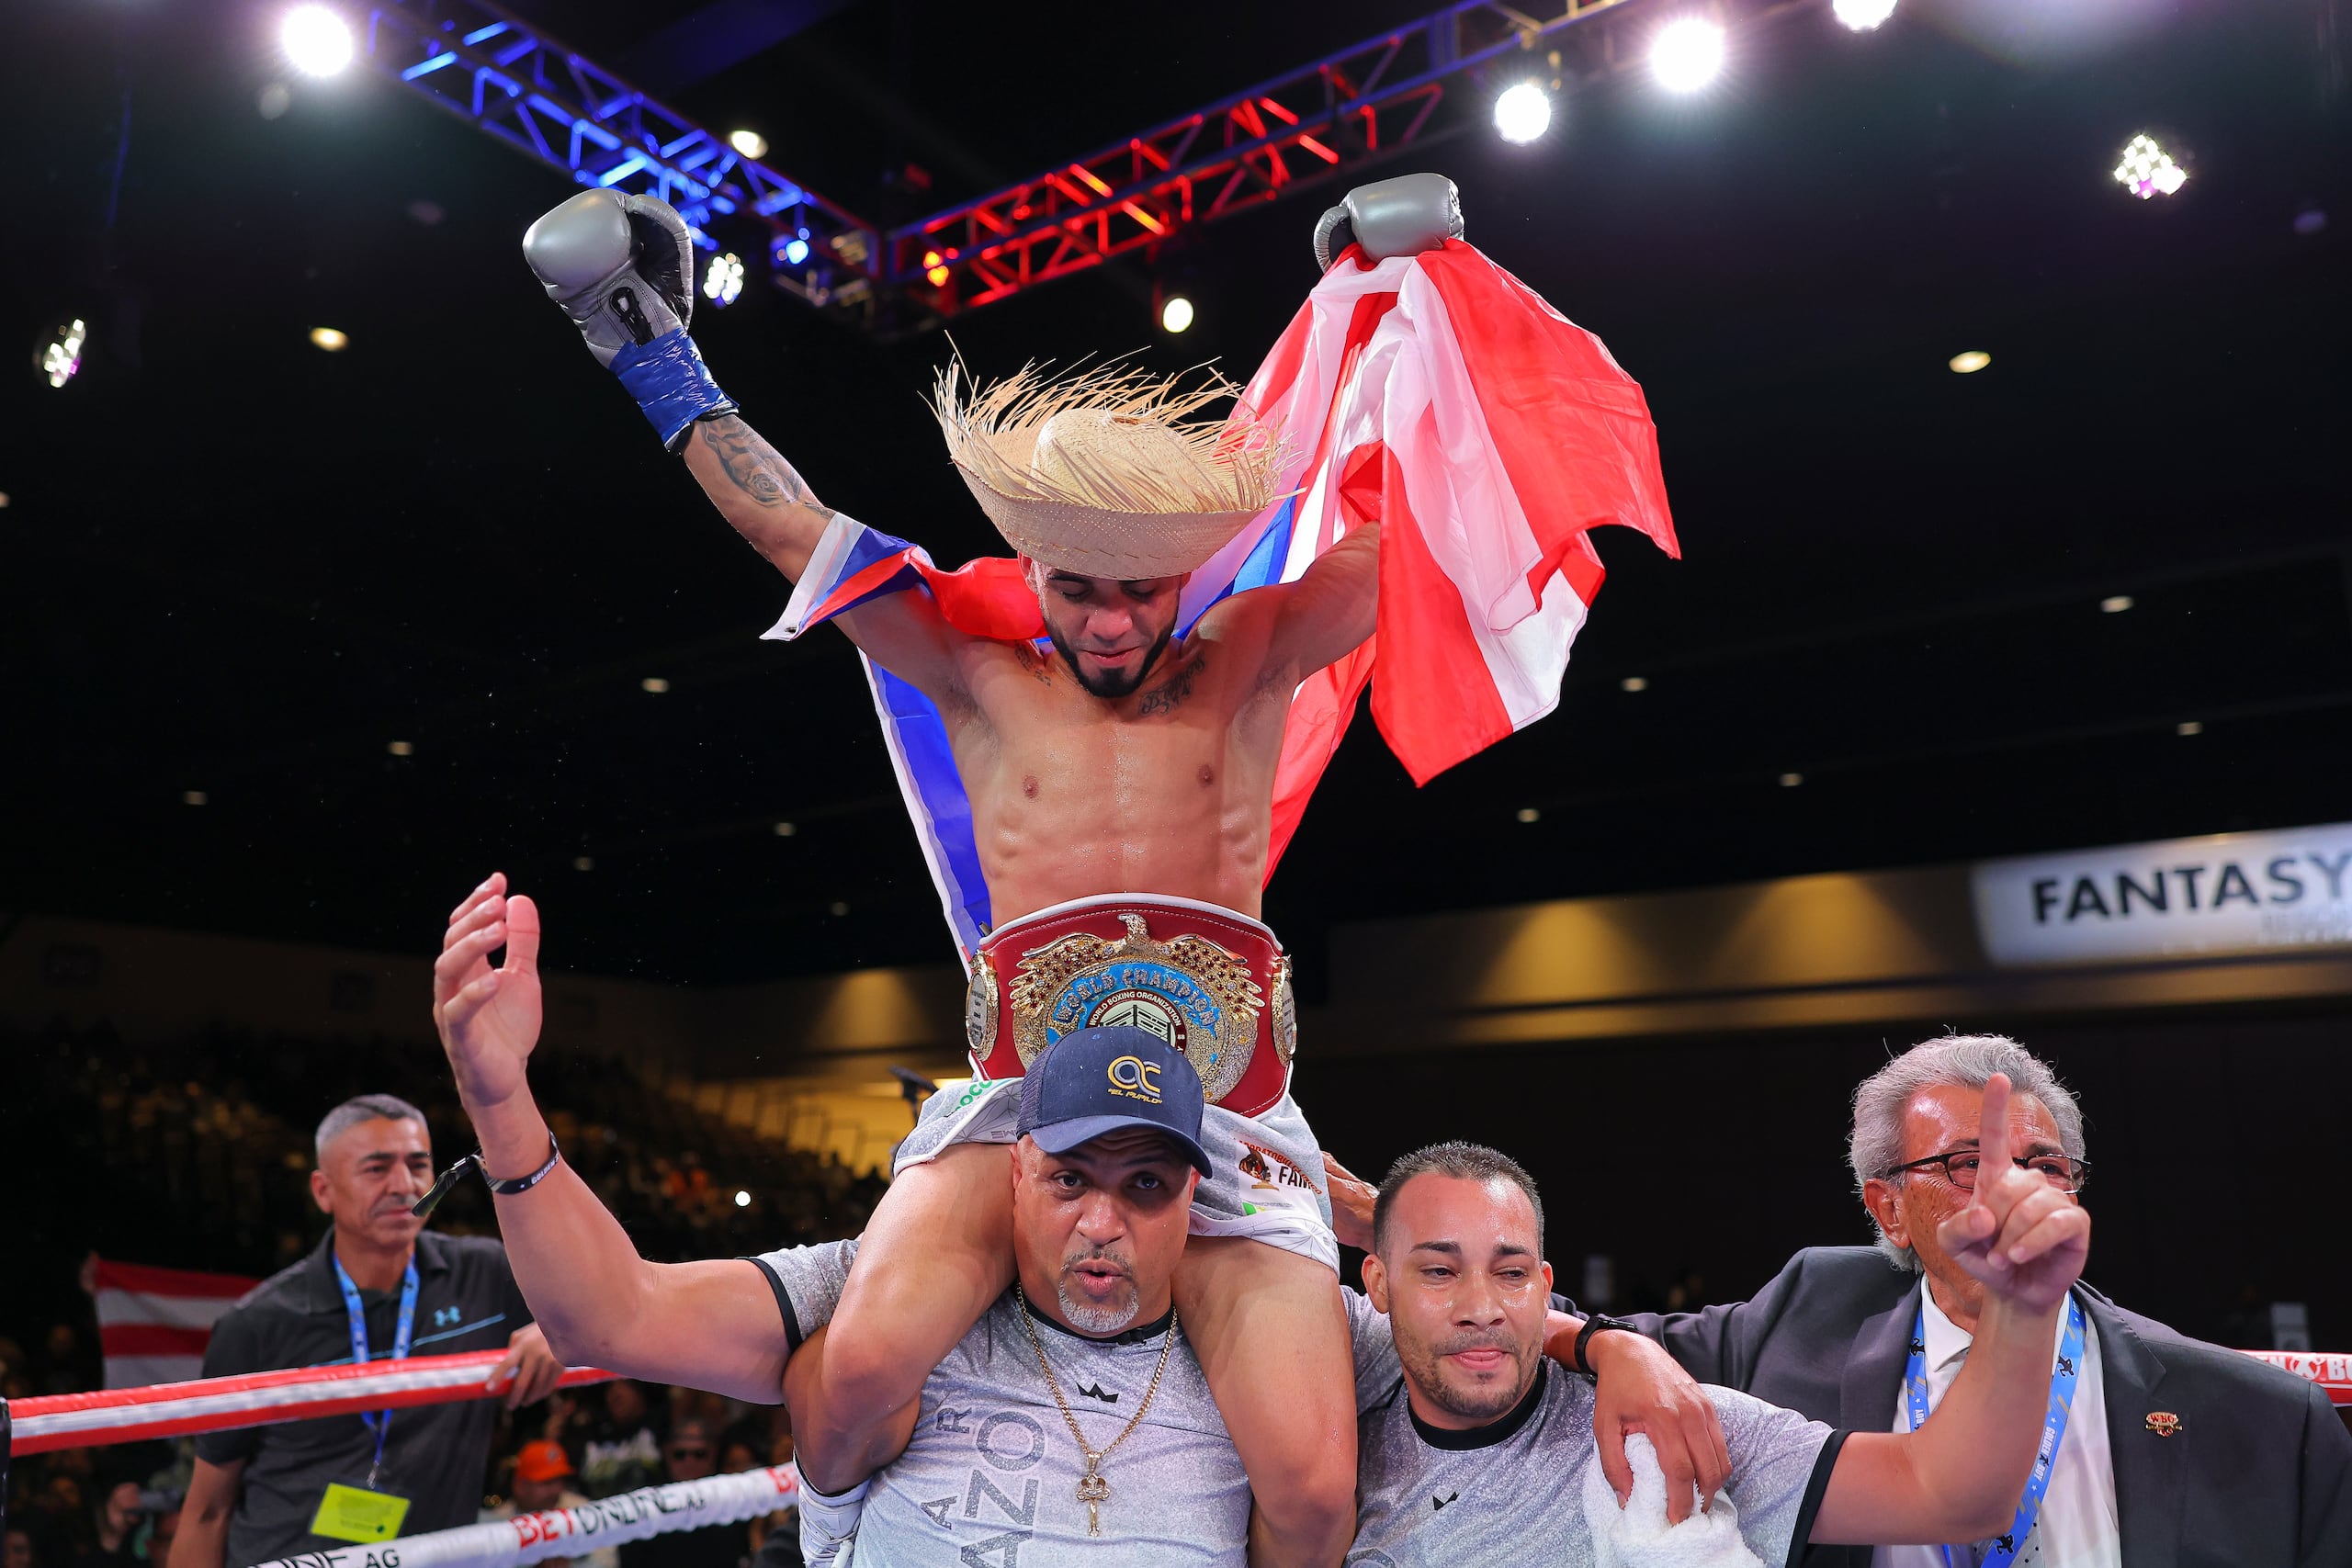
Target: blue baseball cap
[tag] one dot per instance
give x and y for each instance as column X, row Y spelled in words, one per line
column 1097, row 1080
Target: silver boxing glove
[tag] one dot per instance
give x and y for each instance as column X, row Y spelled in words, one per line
column 623, row 268
column 1391, row 218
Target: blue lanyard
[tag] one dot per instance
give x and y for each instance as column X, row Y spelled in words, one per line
column 2005, row 1548
column 380, row 1421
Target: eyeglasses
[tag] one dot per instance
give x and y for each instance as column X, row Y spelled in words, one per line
column 1959, row 1166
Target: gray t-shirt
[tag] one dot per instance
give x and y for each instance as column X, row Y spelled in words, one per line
column 989, row 1478
column 1511, row 1491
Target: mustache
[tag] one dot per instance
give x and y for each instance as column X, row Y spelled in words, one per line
column 1472, row 1339
column 1119, row 1261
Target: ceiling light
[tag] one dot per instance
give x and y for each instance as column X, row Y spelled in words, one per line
column 934, row 269
column 837, row 909
column 316, row 40
column 744, row 1199
column 4, row 500
column 1969, row 363
column 2115, row 604
column 194, row 797
column 2188, row 727
column 583, row 863
column 1522, row 113
column 724, row 280
column 785, row 830
column 63, row 358
column 401, row 749
column 1529, row 814
column 750, row 143
column 653, row 683
column 1687, row 54
column 1634, row 684
column 2147, row 170
column 329, row 339
column 1176, row 314
column 1791, row 781
column 796, row 250
column 1863, row 15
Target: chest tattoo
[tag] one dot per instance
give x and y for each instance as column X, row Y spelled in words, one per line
column 1165, row 697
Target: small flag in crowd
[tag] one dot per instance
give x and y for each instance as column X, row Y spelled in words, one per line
column 154, row 1323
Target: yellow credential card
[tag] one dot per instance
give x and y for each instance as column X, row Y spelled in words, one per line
column 354, row 1513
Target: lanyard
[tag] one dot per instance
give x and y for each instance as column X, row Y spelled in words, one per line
column 2005, row 1548
column 379, row 1421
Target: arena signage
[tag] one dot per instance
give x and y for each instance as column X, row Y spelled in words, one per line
column 2232, row 893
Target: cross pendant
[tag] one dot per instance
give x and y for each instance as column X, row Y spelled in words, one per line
column 1093, row 1491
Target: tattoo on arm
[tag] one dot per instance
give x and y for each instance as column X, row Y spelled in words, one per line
column 1164, row 697
column 753, row 466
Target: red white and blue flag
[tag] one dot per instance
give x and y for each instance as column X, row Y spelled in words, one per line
column 154, row 1323
column 1434, row 393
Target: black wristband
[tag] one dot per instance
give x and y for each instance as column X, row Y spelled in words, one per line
column 1594, row 1325
column 449, row 1179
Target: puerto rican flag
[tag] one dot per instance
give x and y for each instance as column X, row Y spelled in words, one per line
column 154, row 1323
column 1433, row 393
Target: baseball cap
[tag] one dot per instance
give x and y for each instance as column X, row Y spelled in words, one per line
column 542, row 1460
column 1097, row 1080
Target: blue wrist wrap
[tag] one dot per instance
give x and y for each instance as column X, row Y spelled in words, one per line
column 670, row 383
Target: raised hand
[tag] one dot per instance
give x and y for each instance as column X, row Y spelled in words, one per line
column 489, row 1019
column 2022, row 1237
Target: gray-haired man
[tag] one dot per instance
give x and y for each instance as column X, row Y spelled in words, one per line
column 374, row 1287
column 2173, row 1452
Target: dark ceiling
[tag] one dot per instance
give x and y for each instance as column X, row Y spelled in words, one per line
column 238, row 565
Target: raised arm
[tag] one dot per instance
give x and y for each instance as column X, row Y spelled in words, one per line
column 1960, row 1476
column 712, row 1325
column 1326, row 613
column 622, row 268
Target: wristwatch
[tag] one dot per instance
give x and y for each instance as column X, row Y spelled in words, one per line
column 1593, row 1325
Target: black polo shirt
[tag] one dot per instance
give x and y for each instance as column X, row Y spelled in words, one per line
column 466, row 1300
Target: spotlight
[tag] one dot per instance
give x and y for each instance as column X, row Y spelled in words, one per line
column 63, row 358
column 1522, row 113
column 1863, row 15
column 837, row 909
column 1685, row 55
column 750, row 143
column 785, row 830
column 1529, row 814
column 1176, row 314
column 2115, row 604
column 1635, row 683
column 934, row 269
column 402, row 749
column 724, row 281
column 583, row 863
column 796, row 250
column 1791, row 781
column 193, row 797
column 329, row 339
column 653, row 683
column 1969, row 363
column 2188, row 727
column 2148, row 169
column 316, row 40
column 744, row 1199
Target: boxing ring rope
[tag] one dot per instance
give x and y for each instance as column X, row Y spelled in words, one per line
column 212, row 1404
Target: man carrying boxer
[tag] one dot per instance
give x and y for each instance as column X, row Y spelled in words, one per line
column 1120, row 792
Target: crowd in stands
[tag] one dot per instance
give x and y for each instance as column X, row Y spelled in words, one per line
column 193, row 1156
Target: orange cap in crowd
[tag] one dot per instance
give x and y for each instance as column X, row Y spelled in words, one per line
column 542, row 1460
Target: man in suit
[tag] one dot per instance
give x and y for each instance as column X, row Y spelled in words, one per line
column 2175, row 1453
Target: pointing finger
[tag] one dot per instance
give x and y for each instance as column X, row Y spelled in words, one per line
column 1992, row 1132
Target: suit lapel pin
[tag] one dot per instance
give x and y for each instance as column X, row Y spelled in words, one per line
column 2163, row 1423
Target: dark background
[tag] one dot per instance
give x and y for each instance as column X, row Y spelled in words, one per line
column 235, row 564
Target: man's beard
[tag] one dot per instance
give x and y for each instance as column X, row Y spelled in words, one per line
column 1470, row 1401
column 1112, row 687
column 1087, row 1317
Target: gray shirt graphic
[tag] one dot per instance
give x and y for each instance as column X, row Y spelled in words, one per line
column 1511, row 1491
column 990, row 1476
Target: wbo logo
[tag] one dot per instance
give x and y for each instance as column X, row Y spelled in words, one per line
column 1135, row 1079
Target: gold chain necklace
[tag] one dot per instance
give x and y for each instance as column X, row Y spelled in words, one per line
column 1093, row 1489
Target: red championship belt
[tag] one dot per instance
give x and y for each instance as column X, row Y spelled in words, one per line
column 1212, row 983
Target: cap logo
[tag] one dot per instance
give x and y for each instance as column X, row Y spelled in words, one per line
column 1135, row 1079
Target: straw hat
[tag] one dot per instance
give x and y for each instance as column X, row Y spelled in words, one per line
column 1102, row 472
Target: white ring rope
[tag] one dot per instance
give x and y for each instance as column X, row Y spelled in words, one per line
column 569, row 1532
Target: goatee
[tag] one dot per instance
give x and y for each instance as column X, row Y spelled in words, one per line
column 1112, row 688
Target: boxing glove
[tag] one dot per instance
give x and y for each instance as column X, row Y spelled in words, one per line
column 623, row 269
column 1391, row 218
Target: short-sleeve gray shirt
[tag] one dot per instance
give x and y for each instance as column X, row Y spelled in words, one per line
column 1511, row 1491
column 989, row 1478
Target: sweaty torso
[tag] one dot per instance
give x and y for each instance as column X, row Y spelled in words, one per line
column 1168, row 790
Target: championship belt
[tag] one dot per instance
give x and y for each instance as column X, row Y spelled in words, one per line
column 1214, row 984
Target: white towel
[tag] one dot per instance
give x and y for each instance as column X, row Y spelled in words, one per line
column 1637, row 1535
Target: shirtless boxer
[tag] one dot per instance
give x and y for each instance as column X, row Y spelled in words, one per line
column 1120, row 783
